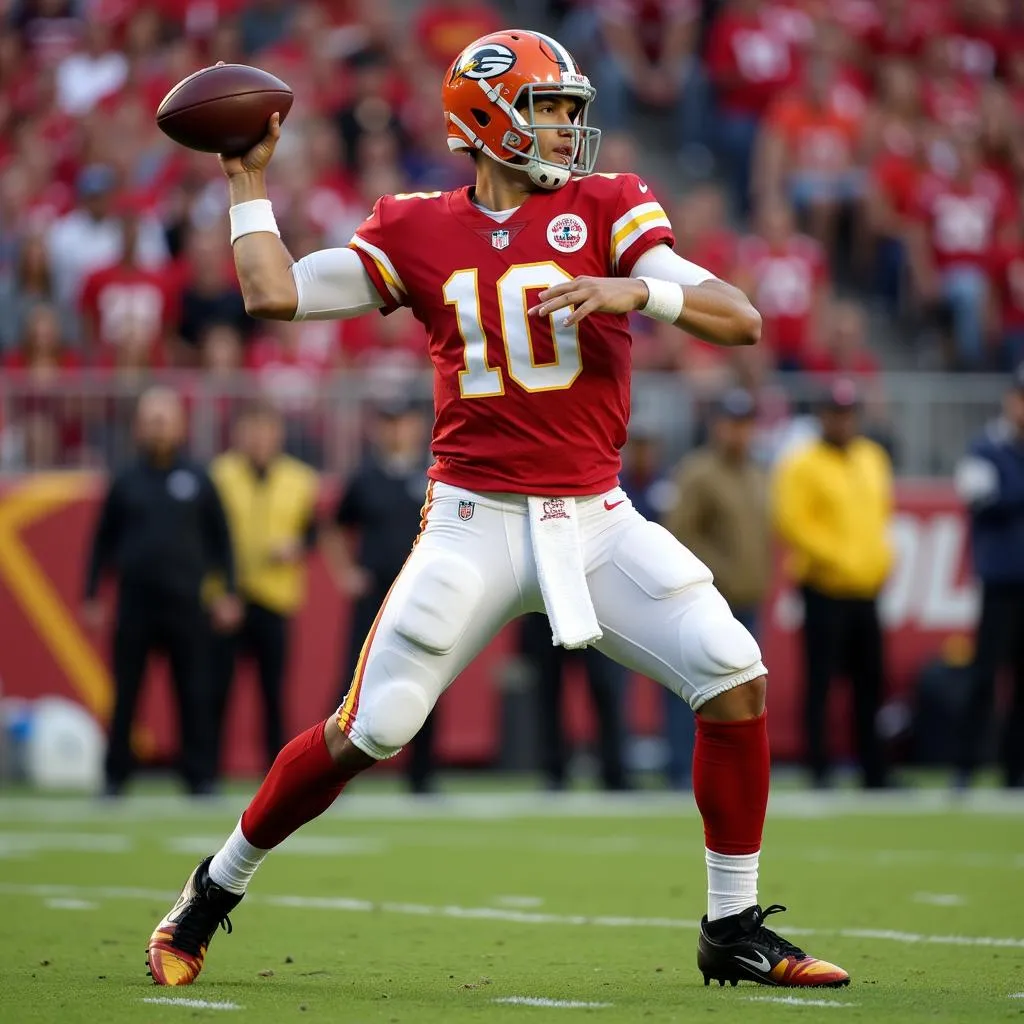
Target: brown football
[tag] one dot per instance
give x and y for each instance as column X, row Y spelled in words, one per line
column 223, row 109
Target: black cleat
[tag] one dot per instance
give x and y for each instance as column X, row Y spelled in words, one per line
column 177, row 947
column 740, row 948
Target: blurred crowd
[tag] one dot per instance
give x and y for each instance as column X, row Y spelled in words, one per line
column 855, row 165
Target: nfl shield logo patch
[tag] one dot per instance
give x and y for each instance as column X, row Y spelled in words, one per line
column 500, row 240
column 466, row 509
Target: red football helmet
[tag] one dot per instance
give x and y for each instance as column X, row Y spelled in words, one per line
column 496, row 75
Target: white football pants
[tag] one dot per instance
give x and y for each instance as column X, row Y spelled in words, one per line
column 472, row 570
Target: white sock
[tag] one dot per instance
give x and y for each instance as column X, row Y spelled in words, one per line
column 732, row 883
column 235, row 863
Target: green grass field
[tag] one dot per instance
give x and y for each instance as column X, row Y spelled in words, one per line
column 465, row 908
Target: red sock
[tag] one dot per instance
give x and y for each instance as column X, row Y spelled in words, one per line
column 730, row 782
column 302, row 783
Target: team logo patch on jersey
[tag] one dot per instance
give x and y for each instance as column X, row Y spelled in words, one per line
column 486, row 61
column 466, row 509
column 567, row 233
column 554, row 508
column 500, row 239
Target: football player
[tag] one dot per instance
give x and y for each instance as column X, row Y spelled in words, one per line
column 523, row 284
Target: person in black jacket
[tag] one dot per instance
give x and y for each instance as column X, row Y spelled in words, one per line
column 161, row 531
column 990, row 479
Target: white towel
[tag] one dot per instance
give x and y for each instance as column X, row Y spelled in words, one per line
column 558, row 552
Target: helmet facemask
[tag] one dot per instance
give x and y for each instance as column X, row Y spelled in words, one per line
column 523, row 138
column 551, row 174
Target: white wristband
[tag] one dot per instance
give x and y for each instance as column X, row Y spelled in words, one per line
column 248, row 218
column 665, row 300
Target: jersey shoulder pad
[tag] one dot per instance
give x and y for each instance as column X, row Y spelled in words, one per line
column 403, row 207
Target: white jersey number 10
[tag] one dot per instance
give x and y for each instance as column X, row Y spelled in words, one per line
column 481, row 380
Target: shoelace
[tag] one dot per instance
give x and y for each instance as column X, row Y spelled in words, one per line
column 773, row 939
column 194, row 928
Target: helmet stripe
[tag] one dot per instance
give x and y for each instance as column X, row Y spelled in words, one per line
column 562, row 55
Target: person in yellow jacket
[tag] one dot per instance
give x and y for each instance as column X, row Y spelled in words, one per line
column 832, row 507
column 270, row 501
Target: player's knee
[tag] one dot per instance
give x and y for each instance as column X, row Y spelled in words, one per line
column 396, row 714
column 716, row 647
column 437, row 602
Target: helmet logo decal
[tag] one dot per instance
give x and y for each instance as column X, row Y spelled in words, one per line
column 487, row 61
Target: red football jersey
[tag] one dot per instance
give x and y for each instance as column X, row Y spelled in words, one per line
column 963, row 219
column 521, row 405
column 786, row 281
column 119, row 299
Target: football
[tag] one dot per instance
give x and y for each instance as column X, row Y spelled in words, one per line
column 223, row 109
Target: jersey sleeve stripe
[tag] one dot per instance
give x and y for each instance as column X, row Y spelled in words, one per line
column 384, row 265
column 631, row 231
column 631, row 215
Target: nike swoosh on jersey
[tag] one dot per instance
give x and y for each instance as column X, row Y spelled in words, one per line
column 642, row 186
column 764, row 966
column 615, row 504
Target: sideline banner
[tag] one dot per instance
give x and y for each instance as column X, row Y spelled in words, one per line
column 46, row 524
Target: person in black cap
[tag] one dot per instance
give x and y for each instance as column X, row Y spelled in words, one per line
column 832, row 506
column 375, row 524
column 990, row 480
column 720, row 513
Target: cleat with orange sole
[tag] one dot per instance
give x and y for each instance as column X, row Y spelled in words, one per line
column 740, row 948
column 177, row 948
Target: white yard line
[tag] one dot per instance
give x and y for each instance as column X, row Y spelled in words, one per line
column 554, row 1004
column 940, row 899
column 797, row 1001
column 191, row 1004
column 519, row 902
column 522, row 805
column 24, row 844
column 57, row 903
column 508, row 915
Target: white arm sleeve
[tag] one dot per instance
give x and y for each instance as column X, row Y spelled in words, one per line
column 663, row 263
column 332, row 284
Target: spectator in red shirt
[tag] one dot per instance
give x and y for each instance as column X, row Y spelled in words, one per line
column 703, row 235
column 126, row 299
column 96, row 70
column 901, row 30
column 750, row 62
column 786, row 276
column 844, row 350
column 951, row 246
column 809, row 149
column 977, row 35
column 950, row 96
column 895, row 145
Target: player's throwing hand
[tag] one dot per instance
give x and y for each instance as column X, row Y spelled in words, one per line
column 592, row 295
column 259, row 156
